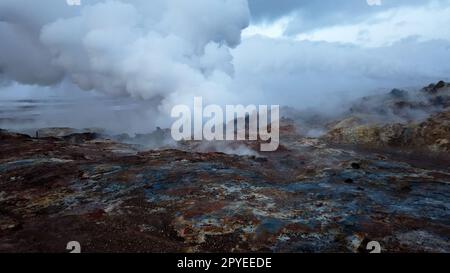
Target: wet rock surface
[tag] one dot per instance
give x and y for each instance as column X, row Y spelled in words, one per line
column 309, row 196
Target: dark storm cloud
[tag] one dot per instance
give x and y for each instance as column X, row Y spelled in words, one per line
column 316, row 14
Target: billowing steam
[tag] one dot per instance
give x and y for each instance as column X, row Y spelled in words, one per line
column 164, row 52
column 144, row 49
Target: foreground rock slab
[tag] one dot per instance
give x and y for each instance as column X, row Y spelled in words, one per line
column 308, row 197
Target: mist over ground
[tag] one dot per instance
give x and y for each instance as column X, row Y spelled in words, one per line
column 122, row 65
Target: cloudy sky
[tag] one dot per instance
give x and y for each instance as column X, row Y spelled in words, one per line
column 383, row 22
column 302, row 53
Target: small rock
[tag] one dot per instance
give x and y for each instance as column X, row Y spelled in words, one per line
column 440, row 85
column 349, row 181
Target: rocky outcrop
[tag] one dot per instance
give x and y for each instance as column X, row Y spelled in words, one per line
column 432, row 134
column 405, row 120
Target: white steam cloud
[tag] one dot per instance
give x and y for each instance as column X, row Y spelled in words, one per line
column 144, row 49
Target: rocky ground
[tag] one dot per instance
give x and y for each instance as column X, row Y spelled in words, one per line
column 368, row 178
